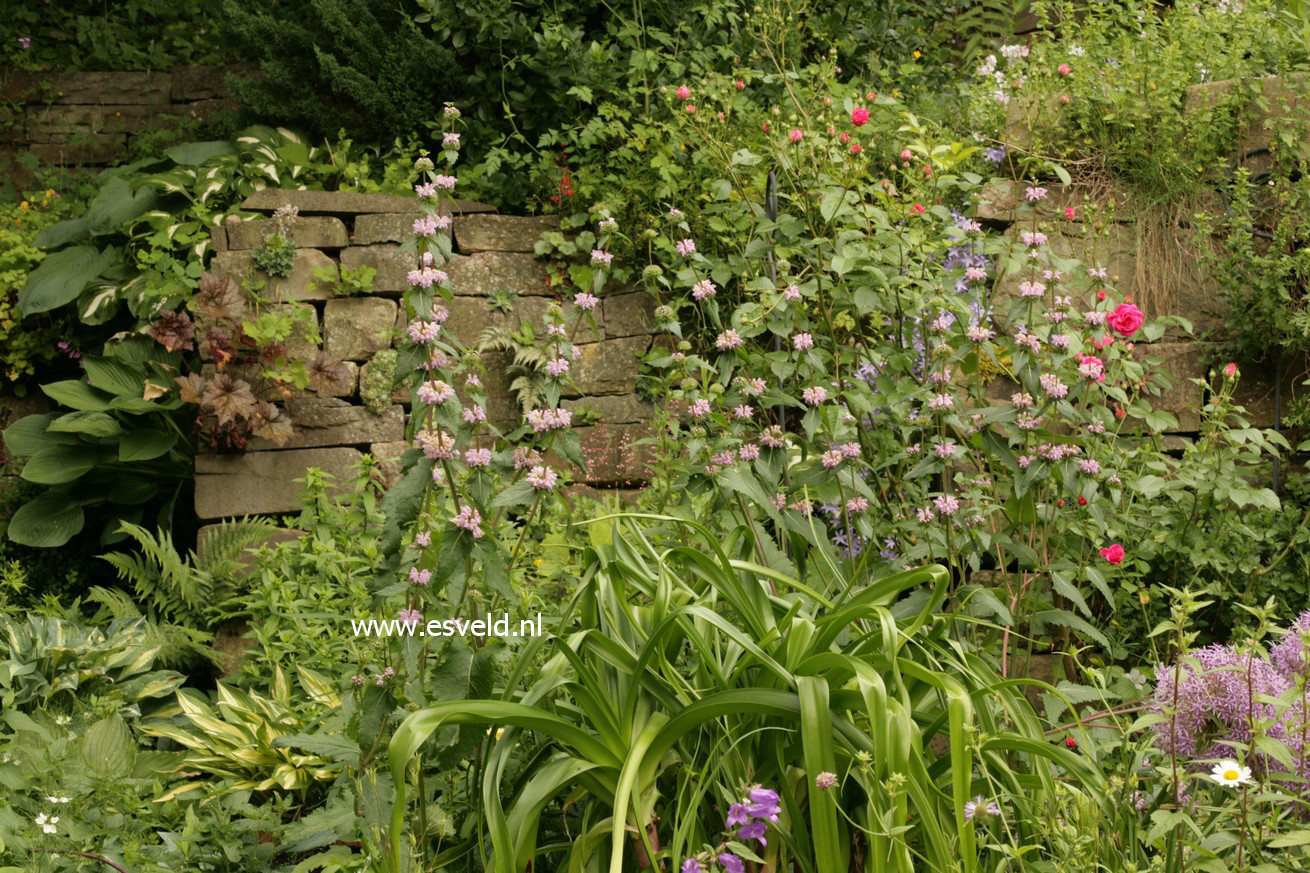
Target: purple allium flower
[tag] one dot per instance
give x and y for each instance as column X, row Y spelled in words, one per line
column 1288, row 655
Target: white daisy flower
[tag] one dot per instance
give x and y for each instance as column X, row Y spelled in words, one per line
column 1229, row 773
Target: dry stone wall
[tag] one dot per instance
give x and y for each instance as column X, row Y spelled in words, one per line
column 492, row 255
column 89, row 118
column 1180, row 287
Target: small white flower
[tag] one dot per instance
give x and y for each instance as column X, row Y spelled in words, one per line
column 56, row 799
column 63, row 720
column 1230, row 774
column 47, row 823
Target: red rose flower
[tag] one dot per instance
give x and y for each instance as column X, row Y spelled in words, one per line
column 1113, row 554
column 1125, row 319
column 859, row 117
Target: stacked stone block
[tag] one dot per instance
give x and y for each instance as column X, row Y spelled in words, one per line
column 492, row 254
column 89, row 118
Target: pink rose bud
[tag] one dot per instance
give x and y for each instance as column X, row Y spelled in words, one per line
column 795, row 135
column 1064, row 98
column 1230, row 369
column 1064, row 69
column 1070, row 213
column 741, row 84
column 845, row 137
column 918, row 209
column 859, row 117
column 855, row 148
column 683, row 92
column 906, row 154
column 871, row 96
column 691, row 107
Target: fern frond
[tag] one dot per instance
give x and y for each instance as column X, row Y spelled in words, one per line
column 223, row 548
column 116, row 600
column 166, row 583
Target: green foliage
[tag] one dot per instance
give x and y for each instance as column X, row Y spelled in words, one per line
column 51, row 660
column 126, row 427
column 187, row 590
column 377, row 384
column 136, row 35
column 680, row 673
column 24, row 344
column 276, row 255
column 356, row 66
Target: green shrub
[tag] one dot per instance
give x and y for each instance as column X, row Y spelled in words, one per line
column 359, row 66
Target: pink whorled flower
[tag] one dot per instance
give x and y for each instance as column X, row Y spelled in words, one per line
column 703, row 289
column 796, row 134
column 585, row 301
column 435, row 392
column 685, row 247
column 600, row 256
column 1093, row 368
column 700, row 407
column 470, row 520
column 802, row 341
column 542, row 478
column 814, row 395
column 728, row 340
column 410, row 617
